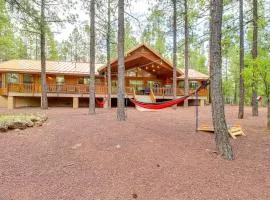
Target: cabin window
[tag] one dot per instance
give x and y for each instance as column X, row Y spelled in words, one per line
column 114, row 83
column 86, row 80
column 131, row 73
column 28, row 78
column 138, row 72
column 98, row 81
column 138, row 84
column 13, row 78
column 143, row 73
column 193, row 84
column 81, row 80
column 153, row 84
column 181, row 84
column 60, row 80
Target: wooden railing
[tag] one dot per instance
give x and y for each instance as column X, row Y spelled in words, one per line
column 84, row 89
column 54, row 88
column 129, row 90
column 165, row 92
column 3, row 91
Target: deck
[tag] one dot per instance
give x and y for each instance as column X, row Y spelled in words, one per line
column 79, row 90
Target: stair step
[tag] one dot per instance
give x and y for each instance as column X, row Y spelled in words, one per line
column 144, row 98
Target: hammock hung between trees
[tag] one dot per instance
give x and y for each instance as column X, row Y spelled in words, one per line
column 102, row 102
column 166, row 104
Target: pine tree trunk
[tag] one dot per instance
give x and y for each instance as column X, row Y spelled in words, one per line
column 92, row 103
column 109, row 56
column 44, row 99
column 222, row 136
column 255, row 111
column 174, row 49
column 241, row 84
column 268, row 113
column 121, row 63
column 186, row 54
column 209, row 61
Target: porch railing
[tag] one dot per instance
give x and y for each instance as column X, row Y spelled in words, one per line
column 3, row 91
column 84, row 89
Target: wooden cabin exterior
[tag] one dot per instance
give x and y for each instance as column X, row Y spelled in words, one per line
column 68, row 82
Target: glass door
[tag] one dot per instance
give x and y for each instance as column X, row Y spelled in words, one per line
column 137, row 85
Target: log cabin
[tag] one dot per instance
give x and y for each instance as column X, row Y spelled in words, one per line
column 146, row 73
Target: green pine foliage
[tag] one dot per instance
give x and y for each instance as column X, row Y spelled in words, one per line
column 11, row 47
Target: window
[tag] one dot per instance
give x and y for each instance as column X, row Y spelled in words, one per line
column 143, row 73
column 98, row 81
column 181, row 84
column 138, row 72
column 13, row 78
column 138, row 84
column 131, row 73
column 86, row 80
column 114, row 83
column 0, row 80
column 114, row 86
column 193, row 84
column 81, row 80
column 153, row 84
column 60, row 80
column 28, row 78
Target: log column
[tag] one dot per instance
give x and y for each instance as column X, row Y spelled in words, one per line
column 75, row 102
column 11, row 102
column 105, row 105
column 202, row 102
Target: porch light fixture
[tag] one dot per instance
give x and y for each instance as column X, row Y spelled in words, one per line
column 146, row 67
column 154, row 70
column 50, row 78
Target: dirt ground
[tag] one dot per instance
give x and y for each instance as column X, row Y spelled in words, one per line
column 151, row 156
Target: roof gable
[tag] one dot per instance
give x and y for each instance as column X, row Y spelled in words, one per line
column 145, row 56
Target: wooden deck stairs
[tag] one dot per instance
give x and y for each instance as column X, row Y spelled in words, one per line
column 235, row 130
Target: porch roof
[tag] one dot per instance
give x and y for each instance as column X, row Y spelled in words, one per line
column 146, row 58
column 193, row 75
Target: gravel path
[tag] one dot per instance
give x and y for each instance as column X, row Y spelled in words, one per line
column 151, row 156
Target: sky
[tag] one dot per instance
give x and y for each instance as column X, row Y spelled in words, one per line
column 138, row 9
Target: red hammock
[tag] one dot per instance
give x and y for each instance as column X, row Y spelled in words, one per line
column 159, row 105
column 166, row 104
column 101, row 103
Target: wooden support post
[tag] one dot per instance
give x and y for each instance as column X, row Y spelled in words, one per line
column 4, row 85
column 11, row 102
column 75, row 102
column 202, row 102
column 105, row 103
